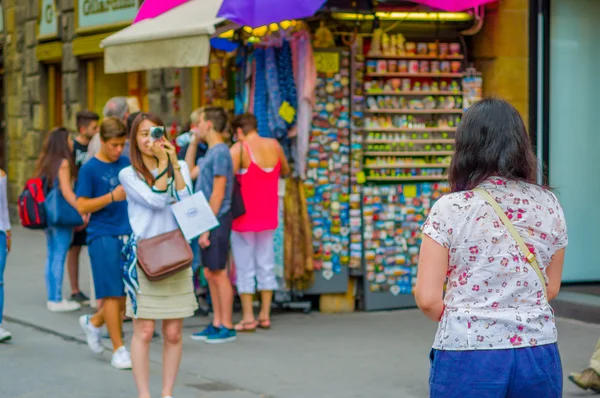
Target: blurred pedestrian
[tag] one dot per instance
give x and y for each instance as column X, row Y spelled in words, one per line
column 258, row 163
column 152, row 183
column 56, row 166
column 5, row 246
column 499, row 241
column 87, row 128
column 589, row 379
column 185, row 139
column 99, row 193
column 114, row 107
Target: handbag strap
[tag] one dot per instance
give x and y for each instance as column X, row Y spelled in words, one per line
column 516, row 236
column 241, row 156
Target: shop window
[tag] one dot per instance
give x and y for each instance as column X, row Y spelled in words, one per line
column 55, row 96
column 103, row 86
column 574, row 140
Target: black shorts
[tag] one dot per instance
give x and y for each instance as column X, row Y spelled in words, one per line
column 79, row 238
column 215, row 256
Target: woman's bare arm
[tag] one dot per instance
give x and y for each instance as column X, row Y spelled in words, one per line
column 66, row 184
column 554, row 273
column 433, row 267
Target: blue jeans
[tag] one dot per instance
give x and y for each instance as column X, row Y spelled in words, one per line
column 510, row 373
column 58, row 240
column 3, row 254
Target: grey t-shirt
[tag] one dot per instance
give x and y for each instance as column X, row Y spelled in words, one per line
column 216, row 162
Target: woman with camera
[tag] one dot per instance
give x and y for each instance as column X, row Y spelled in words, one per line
column 155, row 180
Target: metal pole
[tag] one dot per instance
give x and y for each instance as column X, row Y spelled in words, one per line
column 540, row 97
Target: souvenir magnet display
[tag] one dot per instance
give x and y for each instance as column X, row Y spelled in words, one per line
column 327, row 185
column 394, row 214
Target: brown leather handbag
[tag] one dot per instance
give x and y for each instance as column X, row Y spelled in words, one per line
column 164, row 255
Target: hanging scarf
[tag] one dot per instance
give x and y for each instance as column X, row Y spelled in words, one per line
column 261, row 94
column 276, row 123
column 240, row 80
column 130, row 276
column 285, row 72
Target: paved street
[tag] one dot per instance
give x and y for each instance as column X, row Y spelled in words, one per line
column 357, row 355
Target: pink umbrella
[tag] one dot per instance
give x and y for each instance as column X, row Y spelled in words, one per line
column 452, row 5
column 153, row 8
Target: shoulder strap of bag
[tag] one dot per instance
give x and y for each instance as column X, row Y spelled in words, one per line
column 511, row 228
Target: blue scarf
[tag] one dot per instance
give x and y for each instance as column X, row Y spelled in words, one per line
column 130, row 276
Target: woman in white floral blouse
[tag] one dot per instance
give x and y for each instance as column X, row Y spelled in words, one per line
column 496, row 335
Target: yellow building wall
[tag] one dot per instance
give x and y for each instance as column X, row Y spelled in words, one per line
column 501, row 52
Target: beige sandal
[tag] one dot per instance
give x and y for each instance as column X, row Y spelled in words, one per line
column 245, row 326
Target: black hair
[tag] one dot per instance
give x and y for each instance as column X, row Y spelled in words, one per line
column 491, row 140
column 85, row 117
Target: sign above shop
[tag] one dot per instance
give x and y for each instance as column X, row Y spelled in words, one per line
column 96, row 15
column 48, row 23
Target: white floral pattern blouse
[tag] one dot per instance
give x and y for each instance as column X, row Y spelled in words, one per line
column 494, row 298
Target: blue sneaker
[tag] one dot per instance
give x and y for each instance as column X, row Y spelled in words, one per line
column 203, row 335
column 224, row 335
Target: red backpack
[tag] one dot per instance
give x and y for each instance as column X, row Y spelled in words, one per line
column 31, row 204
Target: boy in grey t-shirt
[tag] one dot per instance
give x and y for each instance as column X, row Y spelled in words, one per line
column 216, row 162
column 215, row 180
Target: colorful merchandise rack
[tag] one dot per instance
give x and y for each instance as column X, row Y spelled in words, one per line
column 327, row 185
column 413, row 102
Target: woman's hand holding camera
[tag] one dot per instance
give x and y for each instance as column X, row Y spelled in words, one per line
column 161, row 154
column 164, row 152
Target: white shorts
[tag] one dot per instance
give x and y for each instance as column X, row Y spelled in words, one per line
column 254, row 255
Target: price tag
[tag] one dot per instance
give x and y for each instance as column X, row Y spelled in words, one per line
column 287, row 112
column 410, row 191
column 327, row 62
column 360, row 177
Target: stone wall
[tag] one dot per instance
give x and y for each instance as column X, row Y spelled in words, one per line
column 501, row 53
column 161, row 84
column 73, row 75
column 24, row 110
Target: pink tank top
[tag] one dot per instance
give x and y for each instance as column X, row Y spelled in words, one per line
column 261, row 200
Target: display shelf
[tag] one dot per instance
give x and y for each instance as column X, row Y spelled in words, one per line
column 415, row 111
column 408, row 166
column 409, row 153
column 329, row 144
column 410, row 57
column 427, row 141
column 421, row 74
column 410, row 130
column 412, row 93
column 414, row 178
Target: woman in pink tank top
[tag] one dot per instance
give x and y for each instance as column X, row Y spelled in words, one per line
column 258, row 163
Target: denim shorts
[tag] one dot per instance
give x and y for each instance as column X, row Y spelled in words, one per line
column 215, row 256
column 106, row 261
column 511, row 373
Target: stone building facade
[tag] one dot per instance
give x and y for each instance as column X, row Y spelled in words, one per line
column 53, row 67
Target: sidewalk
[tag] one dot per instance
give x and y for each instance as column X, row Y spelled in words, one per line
column 380, row 354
